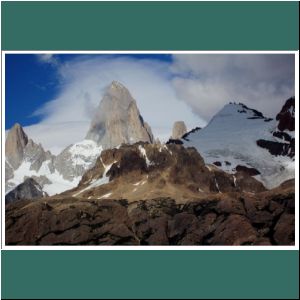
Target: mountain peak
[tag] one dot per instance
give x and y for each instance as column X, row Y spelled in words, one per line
column 239, row 109
column 14, row 145
column 117, row 85
column 118, row 120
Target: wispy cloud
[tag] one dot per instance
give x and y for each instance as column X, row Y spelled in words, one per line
column 207, row 82
column 48, row 59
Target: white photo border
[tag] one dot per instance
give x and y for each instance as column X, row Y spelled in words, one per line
column 198, row 248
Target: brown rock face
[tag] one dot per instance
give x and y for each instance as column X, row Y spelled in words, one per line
column 146, row 171
column 14, row 145
column 179, row 129
column 118, row 120
column 267, row 218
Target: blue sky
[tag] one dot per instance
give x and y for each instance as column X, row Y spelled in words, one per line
column 30, row 83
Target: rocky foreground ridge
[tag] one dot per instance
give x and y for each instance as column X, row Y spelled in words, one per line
column 146, row 194
column 266, row 218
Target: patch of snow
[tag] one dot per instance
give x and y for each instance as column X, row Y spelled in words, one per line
column 58, row 183
column 144, row 154
column 97, row 182
column 217, row 186
column 105, row 196
column 234, row 180
column 138, row 183
column 166, row 147
column 85, row 152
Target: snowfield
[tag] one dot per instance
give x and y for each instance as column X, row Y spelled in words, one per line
column 231, row 137
column 58, row 183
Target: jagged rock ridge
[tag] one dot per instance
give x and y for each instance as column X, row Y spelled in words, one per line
column 146, row 171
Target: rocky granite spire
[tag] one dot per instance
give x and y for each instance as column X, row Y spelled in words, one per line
column 179, row 129
column 14, row 145
column 118, row 120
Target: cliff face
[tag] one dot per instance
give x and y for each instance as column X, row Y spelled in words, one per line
column 118, row 120
column 15, row 144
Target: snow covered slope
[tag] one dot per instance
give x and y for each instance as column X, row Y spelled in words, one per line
column 230, row 139
column 57, row 173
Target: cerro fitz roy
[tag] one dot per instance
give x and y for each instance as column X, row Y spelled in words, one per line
column 228, row 183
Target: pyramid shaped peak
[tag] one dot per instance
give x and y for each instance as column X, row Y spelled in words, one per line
column 17, row 132
column 16, row 126
column 117, row 85
column 117, row 119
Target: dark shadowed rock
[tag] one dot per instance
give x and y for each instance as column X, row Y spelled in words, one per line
column 29, row 189
column 278, row 148
column 284, row 133
column 247, row 170
column 286, row 117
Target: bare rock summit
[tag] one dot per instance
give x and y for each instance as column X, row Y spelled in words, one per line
column 117, row 120
column 14, row 146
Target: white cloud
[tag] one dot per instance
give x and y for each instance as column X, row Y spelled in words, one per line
column 48, row 59
column 207, row 82
column 83, row 81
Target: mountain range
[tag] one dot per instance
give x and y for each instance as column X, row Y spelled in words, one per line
column 241, row 156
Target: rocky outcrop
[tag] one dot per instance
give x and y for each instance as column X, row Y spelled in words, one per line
column 278, row 148
column 15, row 143
column 284, row 145
column 179, row 129
column 146, row 171
column 267, row 218
column 247, row 170
column 186, row 135
column 29, row 189
column 286, row 117
column 36, row 156
column 117, row 120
